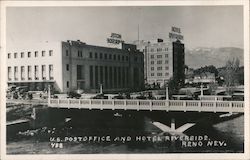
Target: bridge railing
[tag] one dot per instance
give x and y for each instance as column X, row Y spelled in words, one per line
column 174, row 105
column 213, row 98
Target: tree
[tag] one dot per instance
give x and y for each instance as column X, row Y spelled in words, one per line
column 210, row 68
column 240, row 75
column 231, row 72
column 173, row 86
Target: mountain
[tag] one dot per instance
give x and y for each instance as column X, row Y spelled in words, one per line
column 200, row 57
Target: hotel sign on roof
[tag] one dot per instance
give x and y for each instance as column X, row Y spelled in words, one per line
column 175, row 34
column 115, row 38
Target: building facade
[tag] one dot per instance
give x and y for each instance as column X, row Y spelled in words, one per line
column 35, row 66
column 73, row 65
column 179, row 62
column 159, row 62
column 163, row 60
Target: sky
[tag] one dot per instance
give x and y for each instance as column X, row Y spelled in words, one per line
column 201, row 26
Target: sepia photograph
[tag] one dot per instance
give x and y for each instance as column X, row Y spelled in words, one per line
column 124, row 78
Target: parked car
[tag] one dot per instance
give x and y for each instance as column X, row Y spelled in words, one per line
column 100, row 96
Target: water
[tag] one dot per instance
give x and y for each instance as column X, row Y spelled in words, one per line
column 225, row 137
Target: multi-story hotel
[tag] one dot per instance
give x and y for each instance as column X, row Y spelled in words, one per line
column 72, row 65
column 163, row 60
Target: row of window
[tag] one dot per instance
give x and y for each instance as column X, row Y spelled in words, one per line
column 105, row 56
column 159, row 68
column 26, row 72
column 158, row 56
column 109, row 76
column 29, row 54
column 159, row 74
column 108, row 56
column 158, row 49
column 159, row 62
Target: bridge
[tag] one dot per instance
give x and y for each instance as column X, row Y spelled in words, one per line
column 150, row 105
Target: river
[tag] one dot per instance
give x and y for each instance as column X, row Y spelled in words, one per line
column 224, row 137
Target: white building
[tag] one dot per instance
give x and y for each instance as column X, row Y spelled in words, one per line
column 36, row 64
column 159, row 62
column 75, row 65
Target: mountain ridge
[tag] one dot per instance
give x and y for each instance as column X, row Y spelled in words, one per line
column 205, row 56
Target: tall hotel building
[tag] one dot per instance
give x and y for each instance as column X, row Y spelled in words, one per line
column 163, row 60
column 72, row 65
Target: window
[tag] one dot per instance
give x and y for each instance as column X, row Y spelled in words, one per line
column 22, row 73
column 9, row 73
column 152, row 56
column 67, row 84
column 152, row 50
column 105, row 56
column 122, row 58
column 114, row 57
column 15, row 73
column 159, row 68
column 152, row 68
column 166, row 74
column 159, row 62
column 126, row 58
column 159, row 49
column 166, row 49
column 36, row 72
column 29, row 54
column 43, row 72
column 67, row 52
column 159, row 56
column 90, row 55
column 67, row 67
column 119, row 57
column 79, row 53
column 166, row 55
column 96, row 56
column 43, row 53
column 9, row 55
column 152, row 62
column 79, row 72
column 29, row 72
column 166, row 61
column 51, row 72
column 166, row 68
column 91, row 76
column 152, row 74
column 50, row 52
column 22, row 54
column 159, row 74
column 15, row 55
column 136, row 59
column 36, row 53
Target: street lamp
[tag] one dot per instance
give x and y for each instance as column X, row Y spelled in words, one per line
column 167, row 98
column 201, row 90
column 101, row 89
column 48, row 94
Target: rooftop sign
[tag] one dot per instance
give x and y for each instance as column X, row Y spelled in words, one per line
column 115, row 38
column 175, row 33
